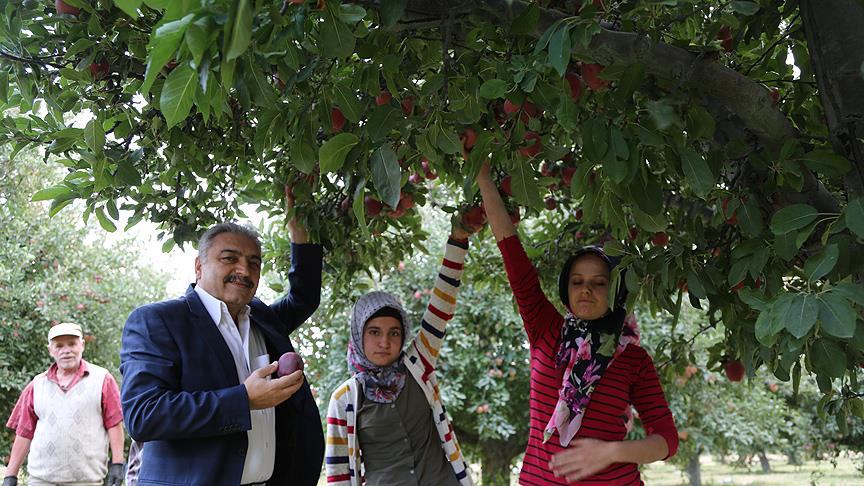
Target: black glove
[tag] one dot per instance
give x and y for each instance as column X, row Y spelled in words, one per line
column 116, row 471
column 10, row 481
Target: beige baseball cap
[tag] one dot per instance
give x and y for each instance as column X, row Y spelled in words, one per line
column 65, row 329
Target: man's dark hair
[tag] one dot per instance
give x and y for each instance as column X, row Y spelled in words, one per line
column 206, row 240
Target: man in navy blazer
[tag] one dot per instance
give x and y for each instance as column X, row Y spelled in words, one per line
column 199, row 389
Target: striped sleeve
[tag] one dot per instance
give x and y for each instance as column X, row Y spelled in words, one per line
column 336, row 461
column 650, row 402
column 442, row 304
column 538, row 314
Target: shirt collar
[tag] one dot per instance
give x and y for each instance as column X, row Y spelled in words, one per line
column 216, row 308
column 83, row 369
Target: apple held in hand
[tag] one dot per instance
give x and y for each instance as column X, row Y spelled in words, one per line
column 289, row 363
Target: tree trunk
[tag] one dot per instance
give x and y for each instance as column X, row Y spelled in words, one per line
column 495, row 464
column 793, row 459
column 694, row 471
column 763, row 460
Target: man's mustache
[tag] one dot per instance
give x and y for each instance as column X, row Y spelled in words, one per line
column 239, row 279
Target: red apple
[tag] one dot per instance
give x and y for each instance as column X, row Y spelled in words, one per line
column 510, row 107
column 533, row 149
column 383, row 98
column 725, row 37
column 474, row 217
column 373, row 206
column 507, row 185
column 738, row 286
column 550, row 202
column 567, row 175
column 337, row 120
column 660, row 239
column 289, row 363
column 775, row 95
column 415, row 178
column 99, row 69
column 734, row 370
column 406, row 201
column 575, row 83
column 427, row 168
column 515, row 216
column 591, row 75
column 578, row 215
column 408, row 105
column 64, row 8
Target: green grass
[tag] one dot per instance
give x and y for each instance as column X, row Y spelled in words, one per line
column 715, row 474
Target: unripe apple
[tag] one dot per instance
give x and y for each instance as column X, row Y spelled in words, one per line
column 337, row 120
column 64, row 8
column 591, row 75
column 289, row 363
column 533, row 149
column 373, row 206
column 734, row 370
column 507, row 185
column 383, row 98
column 660, row 239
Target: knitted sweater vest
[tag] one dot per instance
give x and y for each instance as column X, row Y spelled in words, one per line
column 70, row 443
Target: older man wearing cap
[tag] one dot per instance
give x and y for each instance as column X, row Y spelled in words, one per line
column 66, row 418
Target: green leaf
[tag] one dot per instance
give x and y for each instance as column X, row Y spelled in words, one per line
column 391, row 11
column 836, row 315
column 696, row 172
column 127, row 174
column 241, row 33
column 448, row 141
column 768, row 324
column 745, row 7
column 335, row 38
column 818, row 266
column 525, row 189
column 800, row 316
column 826, row 162
column 851, row 291
column 560, row 48
column 347, row 101
column 792, row 218
column 104, row 222
column 334, row 151
column 130, row 7
column 694, row 285
column 386, row 175
column 595, row 139
column 662, row 113
column 855, row 217
column 750, row 218
column 526, row 22
column 650, row 222
column 828, row 358
column 384, row 119
column 359, row 208
column 198, row 38
column 754, row 298
column 53, row 192
column 94, row 136
column 163, row 47
column 493, row 88
column 303, row 153
column 351, row 13
column 178, row 94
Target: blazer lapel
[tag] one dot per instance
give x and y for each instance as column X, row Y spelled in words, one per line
column 204, row 326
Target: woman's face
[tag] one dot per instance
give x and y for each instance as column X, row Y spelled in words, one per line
column 382, row 340
column 588, row 287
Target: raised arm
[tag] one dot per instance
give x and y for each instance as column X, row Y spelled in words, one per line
column 496, row 213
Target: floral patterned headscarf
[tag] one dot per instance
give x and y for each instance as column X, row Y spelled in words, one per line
column 381, row 384
column 586, row 351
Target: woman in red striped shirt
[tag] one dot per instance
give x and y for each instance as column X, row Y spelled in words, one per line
column 587, row 369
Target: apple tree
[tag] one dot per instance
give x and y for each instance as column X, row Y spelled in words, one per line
column 714, row 144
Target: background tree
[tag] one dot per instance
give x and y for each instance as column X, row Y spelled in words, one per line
column 53, row 270
column 684, row 131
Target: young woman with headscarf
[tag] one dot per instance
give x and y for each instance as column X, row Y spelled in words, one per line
column 386, row 425
column 587, row 369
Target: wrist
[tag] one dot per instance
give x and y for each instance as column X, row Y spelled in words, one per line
column 614, row 451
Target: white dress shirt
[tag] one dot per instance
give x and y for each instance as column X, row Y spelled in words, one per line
column 245, row 341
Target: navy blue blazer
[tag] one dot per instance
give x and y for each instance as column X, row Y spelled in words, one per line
column 181, row 396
